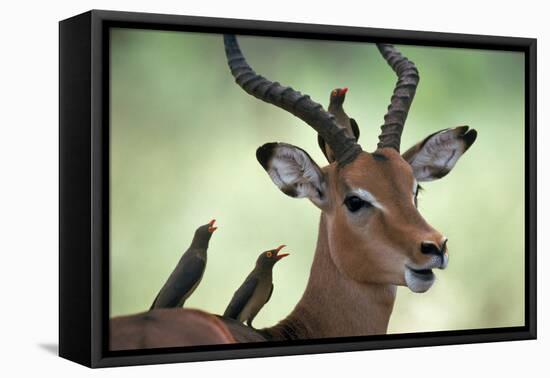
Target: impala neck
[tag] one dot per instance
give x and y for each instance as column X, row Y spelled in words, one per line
column 333, row 305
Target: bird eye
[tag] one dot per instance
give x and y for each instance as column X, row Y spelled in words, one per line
column 269, row 254
column 355, row 203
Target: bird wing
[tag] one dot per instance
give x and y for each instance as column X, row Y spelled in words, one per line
column 181, row 284
column 354, row 128
column 269, row 296
column 241, row 297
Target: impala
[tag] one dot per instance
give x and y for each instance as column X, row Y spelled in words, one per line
column 371, row 239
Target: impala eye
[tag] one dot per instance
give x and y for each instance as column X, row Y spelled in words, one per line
column 354, row 203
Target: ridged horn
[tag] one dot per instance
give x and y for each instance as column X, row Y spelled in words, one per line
column 345, row 148
column 403, row 94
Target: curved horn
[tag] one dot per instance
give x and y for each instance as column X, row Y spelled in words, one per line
column 345, row 148
column 403, row 95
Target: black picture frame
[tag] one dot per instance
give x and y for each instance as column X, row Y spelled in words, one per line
column 84, row 189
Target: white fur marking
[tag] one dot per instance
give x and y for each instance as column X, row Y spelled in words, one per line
column 291, row 167
column 440, row 153
column 367, row 196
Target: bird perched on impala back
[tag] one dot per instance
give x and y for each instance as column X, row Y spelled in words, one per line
column 336, row 108
column 256, row 290
column 188, row 273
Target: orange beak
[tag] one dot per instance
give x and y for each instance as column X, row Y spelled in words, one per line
column 211, row 227
column 278, row 257
column 281, row 256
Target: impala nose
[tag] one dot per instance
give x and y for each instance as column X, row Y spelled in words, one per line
column 431, row 248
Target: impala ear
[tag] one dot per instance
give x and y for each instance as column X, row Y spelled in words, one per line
column 436, row 155
column 293, row 171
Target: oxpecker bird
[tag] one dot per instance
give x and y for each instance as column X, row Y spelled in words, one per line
column 256, row 290
column 188, row 273
column 336, row 108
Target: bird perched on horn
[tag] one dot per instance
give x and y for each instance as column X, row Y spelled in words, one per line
column 256, row 290
column 336, row 108
column 355, row 185
column 188, row 272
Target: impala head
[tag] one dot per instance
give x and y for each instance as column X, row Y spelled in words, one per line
column 375, row 232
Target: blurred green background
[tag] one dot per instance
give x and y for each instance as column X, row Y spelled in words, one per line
column 183, row 142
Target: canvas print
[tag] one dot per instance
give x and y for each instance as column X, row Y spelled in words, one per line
column 267, row 189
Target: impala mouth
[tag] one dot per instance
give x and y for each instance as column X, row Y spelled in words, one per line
column 419, row 280
column 423, row 273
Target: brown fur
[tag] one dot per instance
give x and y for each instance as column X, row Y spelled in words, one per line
column 334, row 305
column 358, row 262
column 375, row 248
column 164, row 328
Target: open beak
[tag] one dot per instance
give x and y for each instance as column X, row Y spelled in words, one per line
column 280, row 256
column 211, row 227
